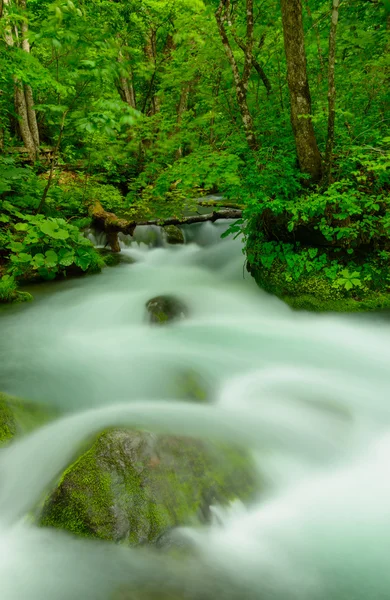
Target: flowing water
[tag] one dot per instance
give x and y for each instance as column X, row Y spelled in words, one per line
column 307, row 394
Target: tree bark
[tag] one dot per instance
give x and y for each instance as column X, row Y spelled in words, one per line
column 28, row 93
column 240, row 81
column 256, row 65
column 309, row 157
column 24, row 102
column 126, row 88
column 181, row 108
column 331, row 89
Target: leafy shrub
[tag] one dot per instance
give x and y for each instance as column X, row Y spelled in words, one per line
column 340, row 234
column 45, row 247
column 8, row 289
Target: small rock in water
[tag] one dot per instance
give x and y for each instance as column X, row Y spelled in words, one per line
column 174, row 235
column 191, row 386
column 165, row 309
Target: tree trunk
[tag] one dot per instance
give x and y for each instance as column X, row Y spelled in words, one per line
column 241, row 81
column 126, row 88
column 22, row 112
column 181, row 108
column 309, row 156
column 24, row 102
column 331, row 89
column 31, row 114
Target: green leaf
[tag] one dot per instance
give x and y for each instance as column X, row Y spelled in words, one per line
column 21, row 226
column 38, row 261
column 4, row 219
column 65, row 257
column 82, row 259
column 24, row 257
column 17, row 246
column 51, row 259
column 51, row 229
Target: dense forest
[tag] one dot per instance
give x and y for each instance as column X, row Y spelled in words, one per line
column 114, row 112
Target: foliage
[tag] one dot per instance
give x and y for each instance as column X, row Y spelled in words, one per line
column 137, row 99
column 46, row 247
column 340, row 233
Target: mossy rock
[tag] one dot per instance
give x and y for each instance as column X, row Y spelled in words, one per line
column 132, row 487
column 165, row 309
column 19, row 416
column 315, row 293
column 111, row 259
column 189, row 385
column 173, row 235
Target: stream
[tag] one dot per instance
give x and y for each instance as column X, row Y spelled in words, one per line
column 307, row 394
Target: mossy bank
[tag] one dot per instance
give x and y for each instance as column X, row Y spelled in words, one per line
column 309, row 278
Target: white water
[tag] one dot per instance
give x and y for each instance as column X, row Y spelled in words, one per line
column 307, row 393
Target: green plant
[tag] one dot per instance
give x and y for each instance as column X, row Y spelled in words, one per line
column 45, row 247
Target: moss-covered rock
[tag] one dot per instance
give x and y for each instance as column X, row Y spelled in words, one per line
column 19, row 416
column 191, row 386
column 165, row 309
column 315, row 292
column 133, row 486
column 173, row 235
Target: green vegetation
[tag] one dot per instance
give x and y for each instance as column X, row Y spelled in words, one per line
column 132, row 487
column 142, row 105
column 20, row 416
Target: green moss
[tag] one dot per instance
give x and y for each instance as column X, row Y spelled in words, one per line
column 131, row 487
column 174, row 235
column 372, row 302
column 111, row 259
column 69, row 510
column 316, row 293
column 19, row 416
column 9, row 291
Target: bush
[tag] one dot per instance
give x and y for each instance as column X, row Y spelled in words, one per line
column 41, row 247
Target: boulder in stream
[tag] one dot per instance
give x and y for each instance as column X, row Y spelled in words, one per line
column 132, row 487
column 20, row 416
column 174, row 235
column 165, row 309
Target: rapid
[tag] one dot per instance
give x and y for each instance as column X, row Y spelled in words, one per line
column 307, row 394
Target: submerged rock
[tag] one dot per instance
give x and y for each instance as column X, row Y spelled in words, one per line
column 165, row 309
column 174, row 235
column 111, row 259
column 134, row 486
column 191, row 386
column 19, row 416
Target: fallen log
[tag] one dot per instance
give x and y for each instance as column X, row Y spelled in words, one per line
column 220, row 204
column 112, row 225
column 214, row 216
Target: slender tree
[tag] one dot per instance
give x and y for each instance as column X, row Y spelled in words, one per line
column 241, row 81
column 24, row 101
column 331, row 89
column 309, row 156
